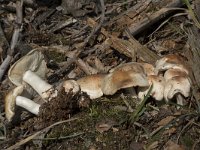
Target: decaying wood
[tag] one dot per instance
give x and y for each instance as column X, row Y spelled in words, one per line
column 142, row 51
column 136, row 9
column 129, row 48
column 137, row 28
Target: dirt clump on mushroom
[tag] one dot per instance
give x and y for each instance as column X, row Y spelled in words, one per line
column 61, row 108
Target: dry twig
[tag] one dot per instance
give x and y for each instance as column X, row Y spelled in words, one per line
column 4, row 66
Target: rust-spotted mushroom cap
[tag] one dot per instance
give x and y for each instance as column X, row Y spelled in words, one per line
column 169, row 62
column 124, row 76
column 177, row 84
column 174, row 72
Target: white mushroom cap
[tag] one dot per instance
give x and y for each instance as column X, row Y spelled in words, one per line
column 175, row 85
column 10, row 100
column 71, row 84
column 92, row 85
column 124, row 76
column 157, row 91
column 33, row 61
column 171, row 61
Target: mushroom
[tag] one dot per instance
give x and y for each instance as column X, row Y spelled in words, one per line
column 177, row 84
column 124, row 76
column 71, row 85
column 171, row 61
column 32, row 69
column 90, row 84
column 157, row 92
column 12, row 99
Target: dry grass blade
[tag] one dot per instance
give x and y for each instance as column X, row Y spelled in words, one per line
column 134, row 117
column 191, row 13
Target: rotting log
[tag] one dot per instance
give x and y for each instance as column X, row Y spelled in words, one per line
column 147, row 22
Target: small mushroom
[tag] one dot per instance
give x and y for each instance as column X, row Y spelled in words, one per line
column 12, row 99
column 124, row 76
column 177, row 84
column 171, row 61
column 157, row 92
column 90, row 84
column 71, row 85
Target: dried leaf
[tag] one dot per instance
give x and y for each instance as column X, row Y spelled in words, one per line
column 169, row 131
column 165, row 121
column 104, row 125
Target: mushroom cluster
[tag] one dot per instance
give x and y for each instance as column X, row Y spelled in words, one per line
column 169, row 78
column 176, row 75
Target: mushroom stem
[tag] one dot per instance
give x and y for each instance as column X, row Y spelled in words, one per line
column 44, row 89
column 27, row 104
column 179, row 100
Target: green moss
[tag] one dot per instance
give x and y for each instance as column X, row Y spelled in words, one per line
column 57, row 57
column 187, row 140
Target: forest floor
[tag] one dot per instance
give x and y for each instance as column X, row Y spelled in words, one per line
column 93, row 37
